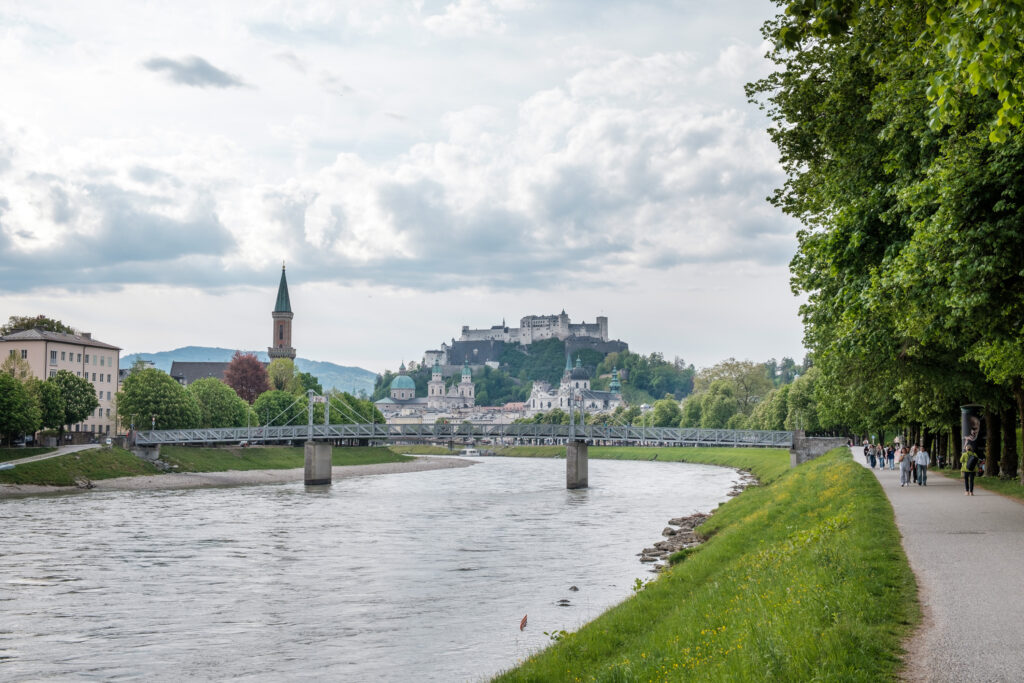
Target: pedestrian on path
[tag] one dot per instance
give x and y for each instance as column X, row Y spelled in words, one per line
column 905, row 464
column 891, row 454
column 969, row 468
column 922, row 459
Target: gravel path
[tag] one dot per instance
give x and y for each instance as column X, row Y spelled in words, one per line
column 967, row 555
column 189, row 480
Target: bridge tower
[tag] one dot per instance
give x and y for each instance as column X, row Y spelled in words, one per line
column 282, row 315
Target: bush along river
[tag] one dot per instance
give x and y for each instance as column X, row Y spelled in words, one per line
column 421, row 576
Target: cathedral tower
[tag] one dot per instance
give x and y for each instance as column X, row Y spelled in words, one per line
column 282, row 315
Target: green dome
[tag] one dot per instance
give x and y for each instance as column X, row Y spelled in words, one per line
column 402, row 382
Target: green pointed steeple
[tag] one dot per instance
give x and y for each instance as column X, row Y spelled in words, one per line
column 284, row 304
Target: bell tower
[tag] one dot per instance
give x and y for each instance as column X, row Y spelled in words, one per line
column 282, row 315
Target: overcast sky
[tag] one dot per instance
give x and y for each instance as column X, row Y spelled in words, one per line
column 419, row 166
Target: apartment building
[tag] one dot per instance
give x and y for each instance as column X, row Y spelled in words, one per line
column 47, row 352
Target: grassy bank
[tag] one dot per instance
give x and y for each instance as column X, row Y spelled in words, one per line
column 420, row 449
column 18, row 453
column 99, row 463
column 767, row 464
column 65, row 470
column 802, row 579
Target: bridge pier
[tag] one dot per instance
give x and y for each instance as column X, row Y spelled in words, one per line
column 150, row 453
column 318, row 463
column 576, row 465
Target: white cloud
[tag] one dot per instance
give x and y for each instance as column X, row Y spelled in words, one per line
column 467, row 18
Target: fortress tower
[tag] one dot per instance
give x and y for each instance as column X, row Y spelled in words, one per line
column 282, row 315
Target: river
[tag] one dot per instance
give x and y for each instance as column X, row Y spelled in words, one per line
column 406, row 577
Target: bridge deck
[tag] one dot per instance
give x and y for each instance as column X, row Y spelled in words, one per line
column 670, row 436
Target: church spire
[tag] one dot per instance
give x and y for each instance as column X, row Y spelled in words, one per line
column 284, row 304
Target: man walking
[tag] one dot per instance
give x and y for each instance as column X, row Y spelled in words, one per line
column 922, row 459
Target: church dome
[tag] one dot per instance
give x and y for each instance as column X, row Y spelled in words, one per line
column 403, row 382
column 579, row 372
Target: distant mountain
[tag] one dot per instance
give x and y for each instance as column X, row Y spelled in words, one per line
column 331, row 375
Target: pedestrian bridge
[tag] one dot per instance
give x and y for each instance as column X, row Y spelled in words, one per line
column 495, row 433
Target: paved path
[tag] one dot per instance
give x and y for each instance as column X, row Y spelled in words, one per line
column 63, row 450
column 968, row 555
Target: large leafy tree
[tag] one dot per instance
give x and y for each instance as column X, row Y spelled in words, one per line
column 281, row 374
column 48, row 399
column 276, row 407
column 18, row 412
column 151, row 396
column 17, row 367
column 247, row 376
column 219, row 405
column 29, row 322
column 77, row 397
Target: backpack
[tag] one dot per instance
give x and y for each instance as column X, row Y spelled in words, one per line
column 972, row 462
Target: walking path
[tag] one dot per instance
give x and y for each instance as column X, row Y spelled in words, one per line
column 968, row 556
column 63, row 450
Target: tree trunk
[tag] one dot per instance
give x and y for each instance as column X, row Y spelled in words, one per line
column 993, row 449
column 942, row 447
column 929, row 443
column 1008, row 463
column 1018, row 393
column 957, row 441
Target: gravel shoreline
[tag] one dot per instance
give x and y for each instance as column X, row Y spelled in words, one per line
column 193, row 480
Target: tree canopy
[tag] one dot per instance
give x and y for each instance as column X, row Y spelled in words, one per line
column 77, row 397
column 247, row 376
column 151, row 396
column 29, row 322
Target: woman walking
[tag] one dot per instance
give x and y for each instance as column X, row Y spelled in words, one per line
column 904, row 460
column 969, row 467
column 922, row 458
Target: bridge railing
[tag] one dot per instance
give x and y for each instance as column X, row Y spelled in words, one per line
column 441, row 432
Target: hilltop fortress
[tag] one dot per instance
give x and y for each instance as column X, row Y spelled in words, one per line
column 479, row 346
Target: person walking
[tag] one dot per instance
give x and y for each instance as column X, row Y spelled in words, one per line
column 922, row 459
column 969, row 462
column 905, row 464
column 892, row 456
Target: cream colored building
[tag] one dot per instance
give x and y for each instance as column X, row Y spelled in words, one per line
column 47, row 352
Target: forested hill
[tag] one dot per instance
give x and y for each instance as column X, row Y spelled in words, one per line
column 331, row 375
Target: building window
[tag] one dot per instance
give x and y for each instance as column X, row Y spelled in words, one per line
column 108, row 376
column 86, row 359
column 24, row 353
column 52, row 373
column 94, row 377
column 280, row 331
column 62, row 355
column 102, row 360
column 79, row 358
column 53, row 357
column 99, row 394
column 108, row 412
column 14, row 352
column 108, row 429
column 108, row 395
column 76, row 427
column 77, row 373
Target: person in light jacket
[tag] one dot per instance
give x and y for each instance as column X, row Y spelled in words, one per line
column 904, row 462
column 922, row 459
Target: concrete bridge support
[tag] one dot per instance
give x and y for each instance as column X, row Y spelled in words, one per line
column 807, row 448
column 150, row 453
column 318, row 464
column 576, row 465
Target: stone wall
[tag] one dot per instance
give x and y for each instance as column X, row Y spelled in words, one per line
column 807, row 448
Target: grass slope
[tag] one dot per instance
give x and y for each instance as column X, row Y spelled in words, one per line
column 64, row 470
column 421, row 449
column 802, row 579
column 18, row 453
column 767, row 464
column 189, row 459
column 107, row 464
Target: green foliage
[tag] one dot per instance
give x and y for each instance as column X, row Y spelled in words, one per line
column 664, row 413
column 347, row 409
column 650, row 374
column 77, row 396
column 803, row 579
column 19, row 414
column 67, row 470
column 48, row 399
column 308, row 382
column 28, row 322
column 151, row 393
column 17, row 367
column 277, row 407
column 19, row 452
column 495, row 388
column 281, row 376
column 540, row 361
column 219, row 405
column 192, row 459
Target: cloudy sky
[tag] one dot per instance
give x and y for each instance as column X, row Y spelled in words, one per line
column 419, row 166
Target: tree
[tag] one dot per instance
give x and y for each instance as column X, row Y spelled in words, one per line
column 277, row 407
column 247, row 376
column 18, row 412
column 718, row 404
column 28, row 322
column 281, row 375
column 665, row 413
column 219, row 405
column 48, row 399
column 307, row 382
column 77, row 397
column 17, row 367
column 749, row 380
column 152, row 397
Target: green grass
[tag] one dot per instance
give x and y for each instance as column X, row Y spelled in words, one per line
column 103, row 464
column 93, row 464
column 18, row 453
column 189, row 459
column 802, row 579
column 1007, row 487
column 767, row 464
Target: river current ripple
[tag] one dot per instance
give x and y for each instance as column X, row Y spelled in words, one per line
column 408, row 577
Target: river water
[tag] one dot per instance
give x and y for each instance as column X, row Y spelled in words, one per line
column 406, row 577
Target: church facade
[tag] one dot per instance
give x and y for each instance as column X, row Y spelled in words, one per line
column 575, row 384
